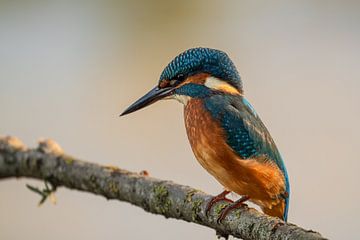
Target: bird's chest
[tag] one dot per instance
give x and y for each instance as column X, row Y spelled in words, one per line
column 207, row 139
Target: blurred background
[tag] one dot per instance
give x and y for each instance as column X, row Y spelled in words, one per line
column 67, row 69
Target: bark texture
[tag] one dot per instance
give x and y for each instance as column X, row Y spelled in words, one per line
column 48, row 162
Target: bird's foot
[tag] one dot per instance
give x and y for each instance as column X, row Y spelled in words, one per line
column 217, row 198
column 236, row 204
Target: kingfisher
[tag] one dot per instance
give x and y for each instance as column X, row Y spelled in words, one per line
column 226, row 134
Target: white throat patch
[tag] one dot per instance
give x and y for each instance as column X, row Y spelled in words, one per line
column 180, row 98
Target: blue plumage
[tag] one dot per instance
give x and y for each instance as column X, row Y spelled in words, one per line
column 247, row 135
column 203, row 60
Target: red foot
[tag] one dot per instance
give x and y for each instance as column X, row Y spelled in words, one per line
column 236, row 204
column 217, row 198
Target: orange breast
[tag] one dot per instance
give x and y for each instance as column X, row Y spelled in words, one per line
column 261, row 180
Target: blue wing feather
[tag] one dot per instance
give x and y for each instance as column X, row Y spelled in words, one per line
column 246, row 134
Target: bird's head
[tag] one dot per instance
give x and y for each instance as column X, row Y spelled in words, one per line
column 195, row 73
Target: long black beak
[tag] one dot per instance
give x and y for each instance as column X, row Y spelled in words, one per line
column 151, row 97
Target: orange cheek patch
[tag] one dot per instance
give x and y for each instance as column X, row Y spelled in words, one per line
column 197, row 78
column 164, row 83
column 228, row 89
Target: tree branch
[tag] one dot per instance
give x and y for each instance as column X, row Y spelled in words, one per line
column 48, row 162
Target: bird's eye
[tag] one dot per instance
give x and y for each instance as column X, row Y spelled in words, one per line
column 177, row 79
column 180, row 77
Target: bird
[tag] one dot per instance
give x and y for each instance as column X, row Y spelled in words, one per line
column 225, row 132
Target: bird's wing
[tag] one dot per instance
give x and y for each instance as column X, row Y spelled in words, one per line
column 245, row 132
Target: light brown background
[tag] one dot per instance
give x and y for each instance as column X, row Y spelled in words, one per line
column 68, row 69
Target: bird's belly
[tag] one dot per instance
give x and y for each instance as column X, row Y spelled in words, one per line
column 261, row 181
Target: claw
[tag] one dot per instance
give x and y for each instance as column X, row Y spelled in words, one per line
column 217, row 198
column 236, row 204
